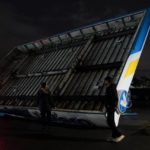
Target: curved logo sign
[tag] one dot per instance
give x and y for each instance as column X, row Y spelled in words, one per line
column 123, row 101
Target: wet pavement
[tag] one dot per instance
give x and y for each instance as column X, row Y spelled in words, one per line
column 20, row 134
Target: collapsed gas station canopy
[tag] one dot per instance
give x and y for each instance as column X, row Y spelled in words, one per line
column 75, row 63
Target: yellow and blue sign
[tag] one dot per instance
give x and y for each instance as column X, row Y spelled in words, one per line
column 138, row 44
column 135, row 53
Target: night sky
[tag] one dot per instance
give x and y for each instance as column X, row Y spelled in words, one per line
column 25, row 21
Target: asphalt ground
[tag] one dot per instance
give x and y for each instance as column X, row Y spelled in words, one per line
column 24, row 134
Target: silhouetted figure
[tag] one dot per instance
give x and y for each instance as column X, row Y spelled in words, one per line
column 111, row 104
column 45, row 102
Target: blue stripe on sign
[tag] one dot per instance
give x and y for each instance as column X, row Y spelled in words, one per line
column 139, row 41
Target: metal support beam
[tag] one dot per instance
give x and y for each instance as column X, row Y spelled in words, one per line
column 56, row 72
column 26, row 47
column 70, row 36
column 94, row 29
column 131, row 31
column 99, row 67
column 81, row 33
column 74, row 64
column 60, row 39
column 123, row 22
column 50, row 40
column 108, row 26
column 35, row 46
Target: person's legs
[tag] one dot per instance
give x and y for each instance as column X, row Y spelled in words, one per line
column 49, row 115
column 111, row 123
column 44, row 122
column 43, row 113
column 43, row 119
column 47, row 122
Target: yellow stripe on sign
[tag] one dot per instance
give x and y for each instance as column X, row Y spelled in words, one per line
column 131, row 68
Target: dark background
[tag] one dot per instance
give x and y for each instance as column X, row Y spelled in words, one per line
column 25, row 21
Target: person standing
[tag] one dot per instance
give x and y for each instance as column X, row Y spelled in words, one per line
column 45, row 103
column 111, row 104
